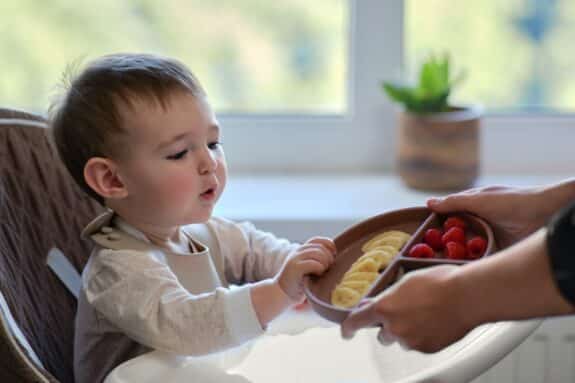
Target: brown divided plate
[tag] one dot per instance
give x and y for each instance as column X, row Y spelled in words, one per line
column 414, row 221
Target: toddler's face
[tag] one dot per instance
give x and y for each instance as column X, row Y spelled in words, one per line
column 175, row 169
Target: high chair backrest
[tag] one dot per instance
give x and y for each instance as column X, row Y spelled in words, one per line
column 40, row 208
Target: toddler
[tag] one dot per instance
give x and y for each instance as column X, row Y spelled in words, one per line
column 137, row 133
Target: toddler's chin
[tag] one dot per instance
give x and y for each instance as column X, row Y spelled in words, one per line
column 203, row 218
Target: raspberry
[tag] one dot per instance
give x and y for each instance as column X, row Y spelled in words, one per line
column 433, row 238
column 476, row 247
column 454, row 222
column 421, row 250
column 455, row 234
column 455, row 250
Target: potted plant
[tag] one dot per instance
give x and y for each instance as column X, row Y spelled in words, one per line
column 438, row 143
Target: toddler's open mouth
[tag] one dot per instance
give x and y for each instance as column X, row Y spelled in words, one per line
column 208, row 194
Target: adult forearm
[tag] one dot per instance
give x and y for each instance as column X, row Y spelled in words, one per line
column 556, row 196
column 516, row 283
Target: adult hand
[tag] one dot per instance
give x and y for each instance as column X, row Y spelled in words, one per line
column 513, row 213
column 423, row 311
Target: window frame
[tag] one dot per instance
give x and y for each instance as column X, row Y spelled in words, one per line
column 362, row 139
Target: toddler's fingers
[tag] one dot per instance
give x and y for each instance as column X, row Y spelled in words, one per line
column 318, row 254
column 324, row 241
column 319, row 248
column 311, row 266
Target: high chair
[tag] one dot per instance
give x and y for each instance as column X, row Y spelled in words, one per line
column 319, row 355
column 41, row 208
column 42, row 212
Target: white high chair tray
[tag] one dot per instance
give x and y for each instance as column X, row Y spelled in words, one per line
column 291, row 354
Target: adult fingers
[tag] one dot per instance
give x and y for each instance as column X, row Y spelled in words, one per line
column 364, row 316
column 451, row 203
column 464, row 200
column 385, row 337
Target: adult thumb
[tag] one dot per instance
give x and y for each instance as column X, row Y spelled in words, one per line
column 448, row 204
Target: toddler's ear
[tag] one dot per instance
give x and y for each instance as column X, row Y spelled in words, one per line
column 102, row 176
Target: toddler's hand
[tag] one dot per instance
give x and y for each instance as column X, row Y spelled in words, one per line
column 313, row 257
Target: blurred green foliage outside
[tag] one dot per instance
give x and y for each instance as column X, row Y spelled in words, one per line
column 516, row 53
column 250, row 55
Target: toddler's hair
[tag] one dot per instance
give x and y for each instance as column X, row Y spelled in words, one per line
column 87, row 120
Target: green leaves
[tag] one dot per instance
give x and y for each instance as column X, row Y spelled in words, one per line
column 431, row 93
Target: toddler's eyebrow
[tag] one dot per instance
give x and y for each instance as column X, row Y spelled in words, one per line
column 169, row 142
column 213, row 129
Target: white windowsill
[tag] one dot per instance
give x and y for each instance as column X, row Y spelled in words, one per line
column 297, row 207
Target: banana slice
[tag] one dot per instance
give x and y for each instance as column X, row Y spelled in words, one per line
column 386, row 248
column 367, row 264
column 395, row 240
column 379, row 251
column 361, row 276
column 359, row 286
column 381, row 255
column 344, row 296
column 391, row 233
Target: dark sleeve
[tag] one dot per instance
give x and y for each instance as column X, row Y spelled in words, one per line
column 561, row 250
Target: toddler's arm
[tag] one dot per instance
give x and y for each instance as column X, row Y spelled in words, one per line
column 140, row 295
column 250, row 255
column 273, row 296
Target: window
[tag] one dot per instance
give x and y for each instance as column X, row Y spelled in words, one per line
column 326, row 111
column 519, row 66
column 515, row 53
column 251, row 56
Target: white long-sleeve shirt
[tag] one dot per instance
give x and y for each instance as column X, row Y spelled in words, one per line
column 137, row 297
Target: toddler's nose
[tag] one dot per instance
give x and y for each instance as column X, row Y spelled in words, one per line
column 208, row 163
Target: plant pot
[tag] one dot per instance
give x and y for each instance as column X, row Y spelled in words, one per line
column 439, row 151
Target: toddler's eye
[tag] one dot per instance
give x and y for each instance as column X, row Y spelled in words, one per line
column 214, row 145
column 178, row 155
